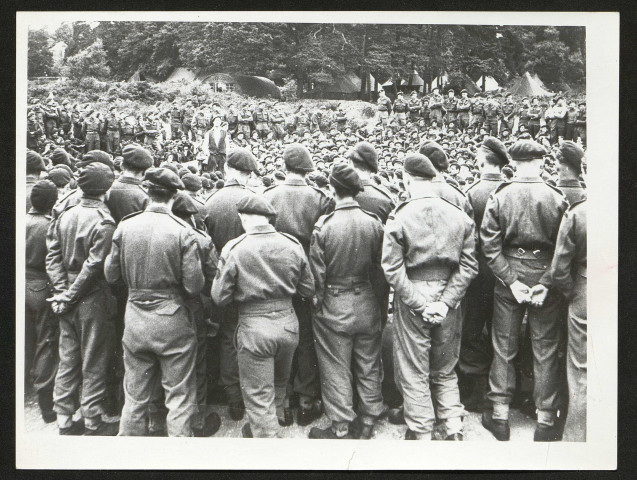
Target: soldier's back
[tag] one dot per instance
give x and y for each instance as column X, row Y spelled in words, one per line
column 452, row 194
column 478, row 194
column 125, row 196
column 376, row 200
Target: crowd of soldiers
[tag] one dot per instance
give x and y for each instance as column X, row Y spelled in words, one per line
column 261, row 257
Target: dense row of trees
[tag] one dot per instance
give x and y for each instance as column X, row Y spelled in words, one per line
column 312, row 52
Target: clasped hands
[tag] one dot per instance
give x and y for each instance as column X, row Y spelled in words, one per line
column 534, row 296
column 59, row 305
column 433, row 313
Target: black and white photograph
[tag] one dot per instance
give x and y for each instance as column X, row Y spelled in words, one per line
column 280, row 233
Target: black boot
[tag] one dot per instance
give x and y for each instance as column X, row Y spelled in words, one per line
column 236, row 410
column 210, row 427
column 288, row 418
column 396, row 416
column 547, row 433
column 76, row 428
column 499, row 428
column 411, row 435
column 361, row 430
column 103, row 430
column 246, row 431
column 327, row 434
column 305, row 416
column 45, row 402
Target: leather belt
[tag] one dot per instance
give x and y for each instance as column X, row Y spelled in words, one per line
column 527, row 254
column 429, row 273
column 265, row 306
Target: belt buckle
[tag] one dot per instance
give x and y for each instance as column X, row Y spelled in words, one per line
column 536, row 253
column 521, row 251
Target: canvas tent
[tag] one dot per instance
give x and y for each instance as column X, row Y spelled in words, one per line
column 526, row 86
column 341, row 87
column 140, row 77
column 538, row 80
column 223, row 82
column 490, row 83
column 180, row 74
column 440, row 81
column 415, row 82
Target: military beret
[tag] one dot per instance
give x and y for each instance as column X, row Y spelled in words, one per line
column 321, row 180
column 136, row 157
column 59, row 176
column 464, row 90
column 219, row 184
column 297, row 157
column 192, row 182
column 192, row 169
column 435, row 153
column 59, row 156
column 346, row 177
column 419, row 165
column 184, row 205
column 494, row 151
column 524, row 150
column 163, row 178
column 44, row 194
column 279, row 175
column 257, row 205
column 451, row 91
column 96, row 156
column 169, row 166
column 182, row 171
column 571, row 154
column 242, row 159
column 96, row 178
column 206, row 183
column 34, row 162
column 364, row 153
column 206, row 175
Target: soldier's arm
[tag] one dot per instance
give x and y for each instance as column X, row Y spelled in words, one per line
column 225, row 281
column 210, row 263
column 491, row 237
column 328, row 204
column 547, row 279
column 393, row 263
column 93, row 266
column 467, row 269
column 317, row 264
column 191, row 272
column 112, row 264
column 565, row 249
column 305, row 288
column 467, row 207
column 54, row 260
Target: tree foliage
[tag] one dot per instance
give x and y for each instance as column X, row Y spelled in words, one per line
column 309, row 53
column 40, row 57
column 90, row 62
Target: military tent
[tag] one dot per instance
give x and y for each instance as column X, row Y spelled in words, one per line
column 415, row 82
column 488, row 82
column 526, row 86
column 341, row 87
column 181, row 74
column 260, row 87
column 440, row 81
column 140, row 77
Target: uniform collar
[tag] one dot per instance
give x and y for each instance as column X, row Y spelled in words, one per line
column 569, row 183
column 232, row 182
column 529, row 179
column 157, row 208
column 33, row 211
column 491, row 176
column 258, row 229
column 91, row 202
column 347, row 204
column 131, row 180
column 295, row 181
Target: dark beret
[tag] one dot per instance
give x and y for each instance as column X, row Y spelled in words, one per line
column 169, row 166
column 494, row 151
column 206, row 183
column 219, row 184
column 524, row 150
column 59, row 156
column 297, row 157
column 44, row 194
column 346, row 177
column 96, row 156
column 163, row 178
column 34, row 162
column 192, row 169
column 256, row 204
column 321, row 180
column 279, row 175
column 435, row 153
column 192, row 182
column 136, row 157
column 242, row 159
column 96, row 178
column 571, row 154
column 419, row 165
column 184, row 205
column 59, row 176
column 364, row 153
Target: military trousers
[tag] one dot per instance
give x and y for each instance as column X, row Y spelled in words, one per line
column 492, row 127
column 228, row 366
column 92, row 141
column 112, row 141
column 545, row 331
column 277, row 131
column 424, row 362
column 176, row 131
column 160, row 345
column 305, row 369
column 347, row 334
column 267, row 335
column 41, row 357
column 437, row 116
column 401, row 118
column 508, row 124
column 576, row 368
column 383, row 117
column 463, row 121
column 476, row 353
column 87, row 341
